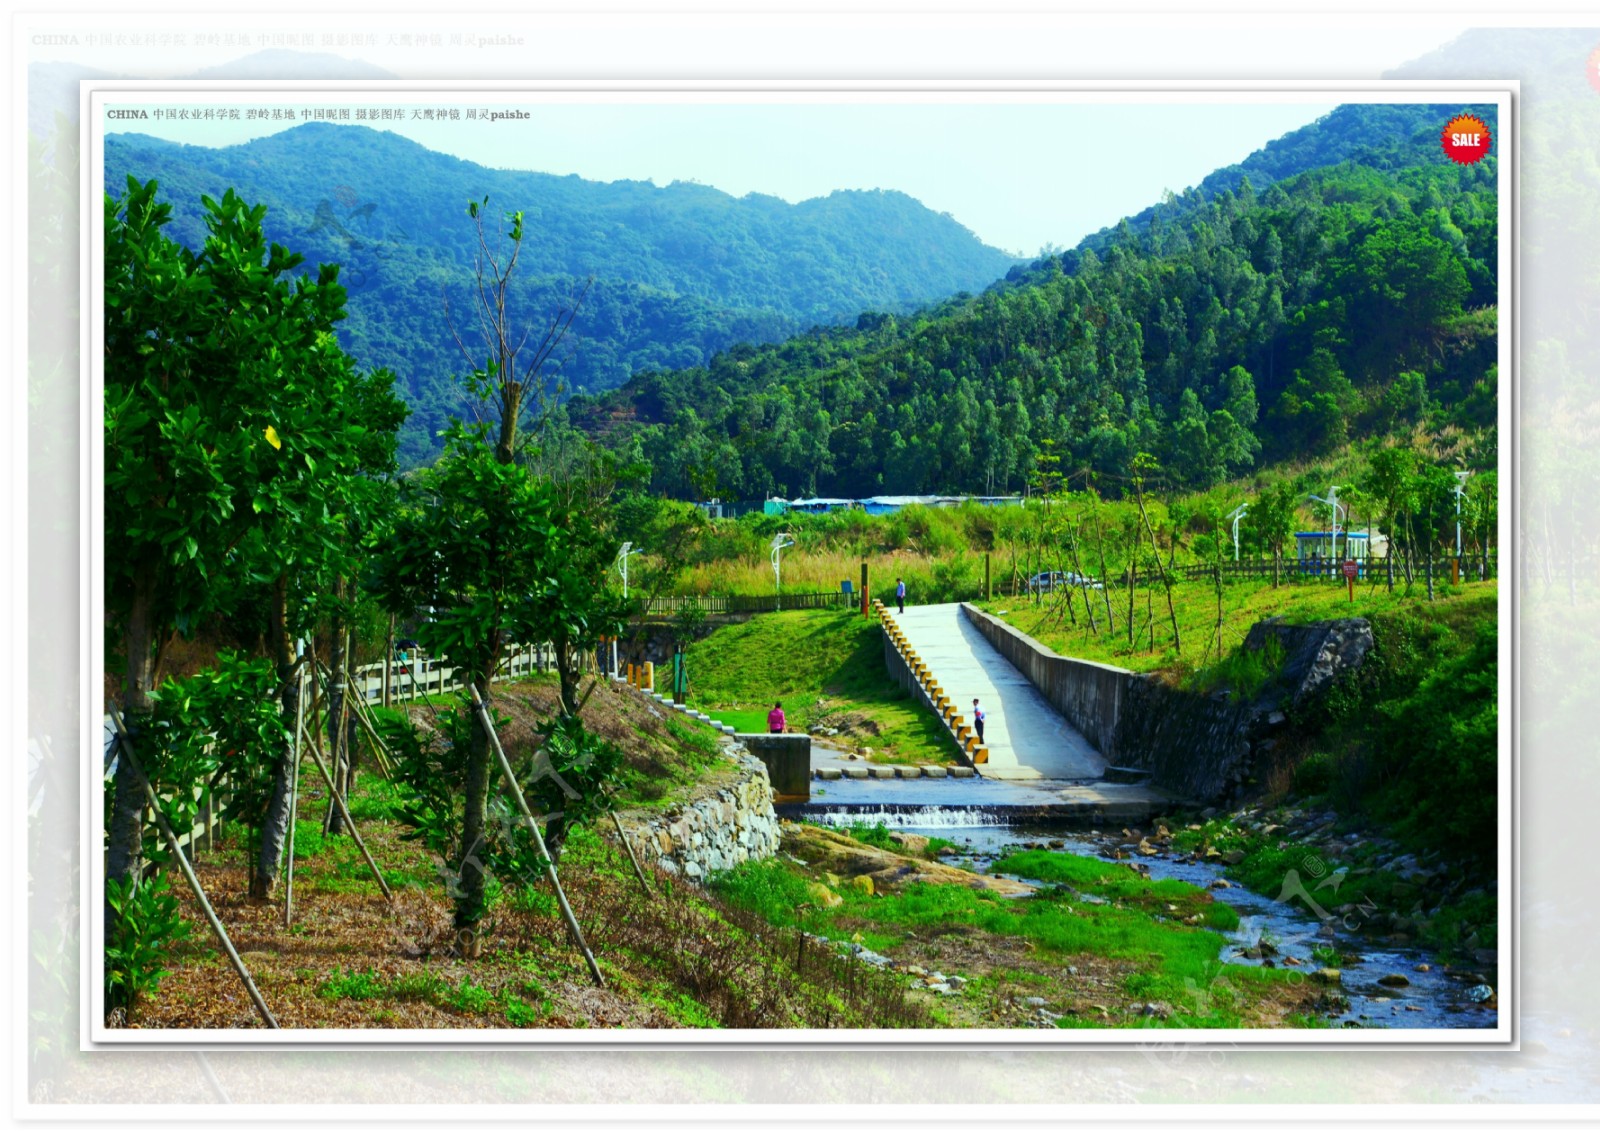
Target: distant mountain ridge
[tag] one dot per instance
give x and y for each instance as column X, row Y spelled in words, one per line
column 679, row 271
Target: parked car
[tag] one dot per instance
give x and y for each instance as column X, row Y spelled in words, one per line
column 1056, row 579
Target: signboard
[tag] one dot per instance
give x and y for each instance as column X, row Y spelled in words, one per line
column 1350, row 571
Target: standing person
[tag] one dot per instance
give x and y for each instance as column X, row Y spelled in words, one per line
column 776, row 723
column 900, row 593
column 977, row 719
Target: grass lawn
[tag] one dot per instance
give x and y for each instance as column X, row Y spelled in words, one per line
column 826, row 667
column 1243, row 604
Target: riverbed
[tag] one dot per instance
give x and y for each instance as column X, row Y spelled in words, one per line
column 985, row 819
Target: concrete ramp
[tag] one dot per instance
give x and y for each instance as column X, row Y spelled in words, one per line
column 1027, row 738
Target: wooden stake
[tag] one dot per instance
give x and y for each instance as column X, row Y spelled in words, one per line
column 126, row 742
column 294, row 796
column 487, row 723
column 344, row 811
column 388, row 664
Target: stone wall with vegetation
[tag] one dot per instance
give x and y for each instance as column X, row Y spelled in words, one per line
column 722, row 823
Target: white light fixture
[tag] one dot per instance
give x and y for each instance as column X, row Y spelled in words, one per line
column 1236, row 514
column 780, row 543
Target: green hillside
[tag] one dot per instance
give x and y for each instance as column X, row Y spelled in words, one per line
column 1221, row 334
column 679, row 272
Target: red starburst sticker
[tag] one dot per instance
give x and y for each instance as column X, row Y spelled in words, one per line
column 1465, row 139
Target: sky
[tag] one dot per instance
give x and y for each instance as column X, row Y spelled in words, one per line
column 1019, row 175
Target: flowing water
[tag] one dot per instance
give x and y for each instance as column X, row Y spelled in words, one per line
column 984, row 819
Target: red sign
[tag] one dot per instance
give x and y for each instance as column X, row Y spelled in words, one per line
column 1350, row 571
column 1465, row 139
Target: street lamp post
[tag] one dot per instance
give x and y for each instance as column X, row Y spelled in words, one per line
column 1461, row 489
column 1236, row 515
column 780, row 543
column 1333, row 503
column 623, row 555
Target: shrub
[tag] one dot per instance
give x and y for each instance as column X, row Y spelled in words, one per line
column 143, row 929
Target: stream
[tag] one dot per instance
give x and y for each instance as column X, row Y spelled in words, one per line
column 985, row 818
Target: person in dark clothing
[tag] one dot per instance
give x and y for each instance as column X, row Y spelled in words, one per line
column 977, row 720
column 900, row 593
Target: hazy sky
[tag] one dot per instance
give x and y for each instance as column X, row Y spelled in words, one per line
column 1019, row 175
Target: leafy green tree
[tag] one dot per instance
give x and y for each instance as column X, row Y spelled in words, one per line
column 234, row 425
column 1273, row 515
column 500, row 559
column 1391, row 485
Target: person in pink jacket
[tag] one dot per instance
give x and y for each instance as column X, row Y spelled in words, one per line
column 776, row 723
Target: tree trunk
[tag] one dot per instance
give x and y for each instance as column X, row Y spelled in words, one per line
column 125, row 828
column 1088, row 607
column 338, row 747
column 1166, row 582
column 1105, row 574
column 474, row 823
column 568, row 674
column 275, row 824
column 1133, row 577
column 1428, row 559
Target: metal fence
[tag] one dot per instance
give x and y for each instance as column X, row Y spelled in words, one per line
column 725, row 603
column 1473, row 568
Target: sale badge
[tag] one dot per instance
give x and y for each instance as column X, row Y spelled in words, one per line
column 1465, row 139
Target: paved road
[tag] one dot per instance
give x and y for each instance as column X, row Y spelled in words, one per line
column 1026, row 737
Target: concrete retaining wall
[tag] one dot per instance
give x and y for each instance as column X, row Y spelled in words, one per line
column 1203, row 747
column 721, row 825
column 787, row 758
column 1088, row 695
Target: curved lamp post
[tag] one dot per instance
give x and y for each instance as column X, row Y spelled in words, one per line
column 1333, row 502
column 1236, row 514
column 780, row 543
column 623, row 555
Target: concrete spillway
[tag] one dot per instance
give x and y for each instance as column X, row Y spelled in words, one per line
column 1027, row 737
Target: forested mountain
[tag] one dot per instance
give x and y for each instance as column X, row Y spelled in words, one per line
column 1225, row 330
column 679, row 272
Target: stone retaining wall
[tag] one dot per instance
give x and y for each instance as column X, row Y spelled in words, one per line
column 722, row 824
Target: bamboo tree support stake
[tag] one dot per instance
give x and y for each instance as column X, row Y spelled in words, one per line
column 126, row 742
column 538, row 837
column 361, row 712
column 338, row 799
column 294, row 795
column 626, row 843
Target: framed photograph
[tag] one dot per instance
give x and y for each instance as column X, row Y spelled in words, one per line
column 646, row 564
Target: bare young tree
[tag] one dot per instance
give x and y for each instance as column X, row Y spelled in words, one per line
column 517, row 368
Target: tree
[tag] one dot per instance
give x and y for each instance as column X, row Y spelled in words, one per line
column 1273, row 516
column 492, row 549
column 236, row 431
column 1391, row 485
column 511, row 378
